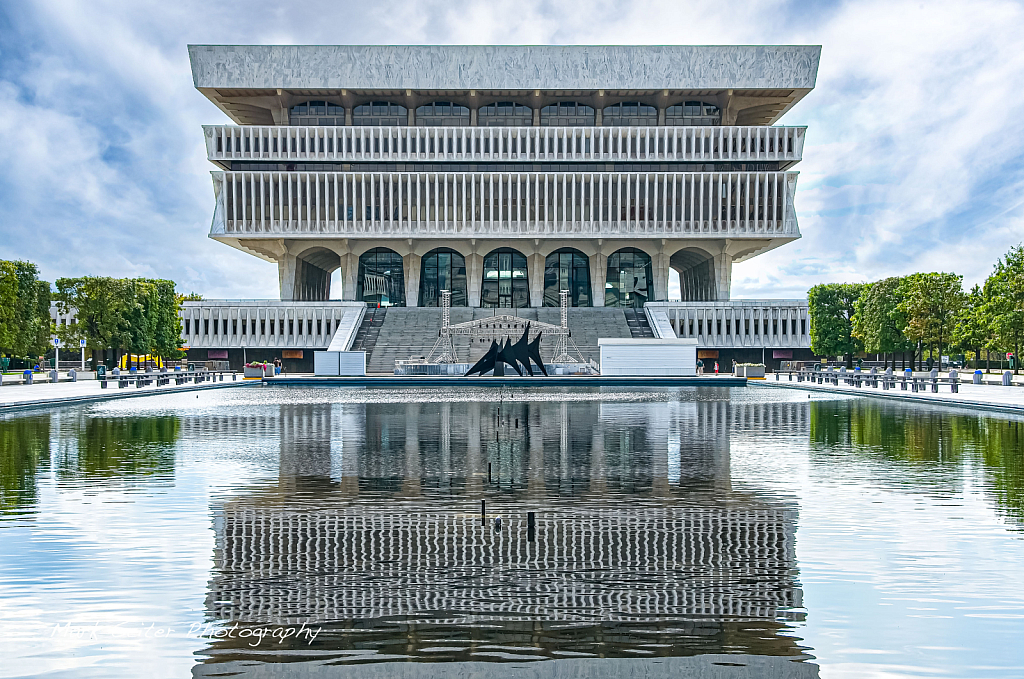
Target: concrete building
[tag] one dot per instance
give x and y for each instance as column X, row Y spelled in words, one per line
column 505, row 173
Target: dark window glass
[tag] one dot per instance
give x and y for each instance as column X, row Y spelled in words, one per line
column 442, row 113
column 381, row 278
column 693, row 113
column 567, row 269
column 504, row 114
column 316, row 113
column 629, row 113
column 568, row 113
column 381, row 114
column 443, row 269
column 630, row 279
column 505, row 284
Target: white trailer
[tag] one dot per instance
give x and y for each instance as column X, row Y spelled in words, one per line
column 648, row 357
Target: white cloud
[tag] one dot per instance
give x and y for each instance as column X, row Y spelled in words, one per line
column 912, row 157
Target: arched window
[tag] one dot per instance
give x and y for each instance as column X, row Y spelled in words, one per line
column 505, row 284
column 316, row 113
column 568, row 113
column 693, row 113
column 630, row 279
column 567, row 269
column 443, row 113
column 381, row 113
column 504, row 114
column 629, row 113
column 381, row 279
column 442, row 269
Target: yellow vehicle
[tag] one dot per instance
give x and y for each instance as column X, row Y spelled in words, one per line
column 140, row 361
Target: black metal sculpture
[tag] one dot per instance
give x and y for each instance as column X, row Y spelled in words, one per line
column 520, row 353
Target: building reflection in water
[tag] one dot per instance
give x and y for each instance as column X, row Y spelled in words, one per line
column 373, row 531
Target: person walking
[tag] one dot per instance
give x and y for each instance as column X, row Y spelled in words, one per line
column 700, row 367
column 716, row 367
column 277, row 366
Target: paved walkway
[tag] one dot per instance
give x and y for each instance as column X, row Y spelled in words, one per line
column 23, row 396
column 983, row 397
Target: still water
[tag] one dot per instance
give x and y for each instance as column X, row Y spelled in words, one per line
column 711, row 532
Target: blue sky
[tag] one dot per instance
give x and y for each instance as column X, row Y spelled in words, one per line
column 912, row 162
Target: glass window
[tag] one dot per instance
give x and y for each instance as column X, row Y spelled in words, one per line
column 505, row 284
column 693, row 113
column 568, row 114
column 567, row 269
column 629, row 113
column 316, row 113
column 442, row 113
column 443, row 269
column 630, row 279
column 381, row 279
column 380, row 113
column 504, row 114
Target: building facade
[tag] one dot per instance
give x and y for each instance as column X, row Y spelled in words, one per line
column 505, row 173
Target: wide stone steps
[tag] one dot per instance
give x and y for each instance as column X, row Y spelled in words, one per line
column 410, row 332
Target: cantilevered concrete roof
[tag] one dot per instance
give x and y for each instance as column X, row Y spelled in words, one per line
column 504, row 67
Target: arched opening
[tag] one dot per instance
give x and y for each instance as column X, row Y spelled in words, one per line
column 505, row 283
column 316, row 113
column 697, row 281
column 313, row 274
column 380, row 113
column 629, row 113
column 504, row 114
column 443, row 269
column 442, row 114
column 630, row 279
column 567, row 269
column 381, row 279
column 693, row 113
column 568, row 113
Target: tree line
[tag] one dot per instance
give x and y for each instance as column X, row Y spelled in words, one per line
column 25, row 325
column 921, row 314
column 127, row 315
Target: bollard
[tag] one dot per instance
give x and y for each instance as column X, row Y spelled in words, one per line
column 27, row 377
column 138, row 382
column 1007, row 378
column 54, row 377
column 885, row 383
column 73, row 375
column 103, row 383
column 953, row 382
column 977, row 377
column 234, row 377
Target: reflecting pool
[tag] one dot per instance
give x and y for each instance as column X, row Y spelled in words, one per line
column 711, row 532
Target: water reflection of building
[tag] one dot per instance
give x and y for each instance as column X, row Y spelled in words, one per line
column 640, row 542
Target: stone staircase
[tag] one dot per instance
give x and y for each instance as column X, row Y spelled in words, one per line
column 408, row 332
column 639, row 326
column 369, row 330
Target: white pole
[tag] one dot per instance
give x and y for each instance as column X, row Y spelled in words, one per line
column 56, row 358
column 83, row 358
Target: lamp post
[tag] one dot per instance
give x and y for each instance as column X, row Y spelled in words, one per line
column 56, row 356
column 244, row 362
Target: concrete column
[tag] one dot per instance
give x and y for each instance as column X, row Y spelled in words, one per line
column 349, row 276
column 412, row 115
column 286, row 272
column 473, row 117
column 598, row 116
column 661, row 116
column 348, row 115
column 535, row 269
column 598, row 276
column 411, row 264
column 723, row 276
column 536, row 116
column 474, row 278
column 660, row 266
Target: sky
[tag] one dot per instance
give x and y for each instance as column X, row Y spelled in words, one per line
column 912, row 160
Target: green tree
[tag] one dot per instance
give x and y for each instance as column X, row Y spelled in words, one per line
column 25, row 325
column 831, row 308
column 973, row 329
column 877, row 319
column 1005, row 292
column 929, row 304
